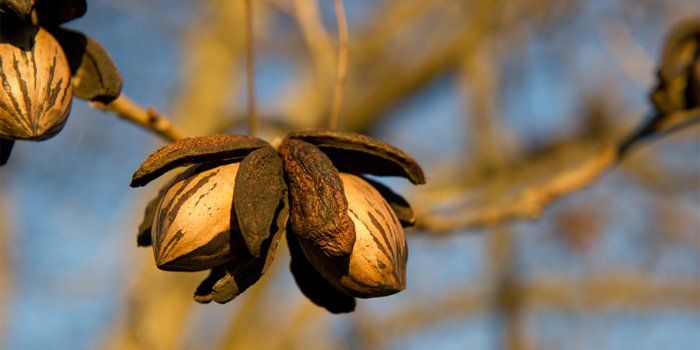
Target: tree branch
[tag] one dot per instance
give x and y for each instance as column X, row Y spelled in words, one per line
column 250, row 69
column 524, row 190
column 147, row 118
column 551, row 293
column 342, row 69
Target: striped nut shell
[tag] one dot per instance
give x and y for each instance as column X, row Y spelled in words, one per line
column 377, row 265
column 192, row 225
column 35, row 97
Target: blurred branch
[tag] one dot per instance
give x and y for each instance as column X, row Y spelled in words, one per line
column 147, row 118
column 315, row 37
column 342, row 68
column 157, row 307
column 626, row 291
column 525, row 189
column 367, row 102
column 250, row 69
column 246, row 328
column 305, row 313
column 660, row 125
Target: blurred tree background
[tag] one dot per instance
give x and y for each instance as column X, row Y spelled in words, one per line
column 509, row 105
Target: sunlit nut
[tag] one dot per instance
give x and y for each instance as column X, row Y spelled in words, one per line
column 35, row 91
column 377, row 265
column 192, row 226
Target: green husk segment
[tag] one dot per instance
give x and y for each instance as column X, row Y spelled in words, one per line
column 189, row 151
column 259, row 188
column 228, row 281
column 312, row 284
column 398, row 204
column 319, row 209
column 360, row 154
column 95, row 76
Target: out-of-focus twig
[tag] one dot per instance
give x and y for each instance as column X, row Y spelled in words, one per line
column 661, row 125
column 147, row 118
column 315, row 37
column 526, row 190
column 305, row 313
column 342, row 69
column 250, row 69
column 528, row 193
column 245, row 329
column 623, row 291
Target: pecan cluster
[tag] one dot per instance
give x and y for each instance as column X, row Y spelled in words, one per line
column 229, row 209
column 43, row 66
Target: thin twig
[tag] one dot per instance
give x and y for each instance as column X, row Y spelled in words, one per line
column 250, row 70
column 308, row 16
column 148, row 118
column 343, row 39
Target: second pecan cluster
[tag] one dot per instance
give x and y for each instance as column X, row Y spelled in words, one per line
column 228, row 211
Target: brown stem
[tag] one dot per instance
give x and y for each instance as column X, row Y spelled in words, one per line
column 148, row 118
column 343, row 39
column 250, row 70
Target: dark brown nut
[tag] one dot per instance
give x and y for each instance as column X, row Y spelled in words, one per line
column 230, row 280
column 5, row 150
column 312, row 284
column 360, row 154
column 259, row 188
column 36, row 94
column 55, row 12
column 677, row 83
column 192, row 151
column 377, row 265
column 17, row 8
column 192, row 226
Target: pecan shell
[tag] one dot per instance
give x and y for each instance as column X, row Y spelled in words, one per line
column 35, row 96
column 192, row 225
column 377, row 265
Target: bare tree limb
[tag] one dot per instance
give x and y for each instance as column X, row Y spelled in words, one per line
column 147, row 118
column 624, row 291
column 525, row 189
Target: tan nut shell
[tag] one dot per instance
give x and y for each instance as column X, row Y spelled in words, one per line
column 35, row 95
column 377, row 265
column 192, row 226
